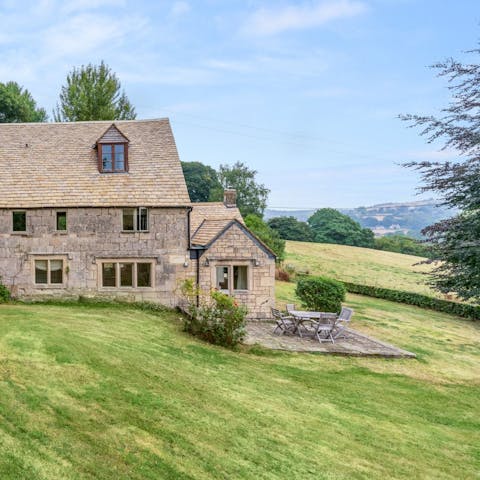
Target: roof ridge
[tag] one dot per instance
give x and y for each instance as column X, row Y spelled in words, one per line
column 83, row 122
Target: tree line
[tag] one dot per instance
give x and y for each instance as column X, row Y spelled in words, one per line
column 328, row 225
column 91, row 92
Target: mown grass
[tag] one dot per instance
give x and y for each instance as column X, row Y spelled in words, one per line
column 115, row 392
column 361, row 265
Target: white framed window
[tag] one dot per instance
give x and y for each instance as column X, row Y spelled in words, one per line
column 135, row 219
column 231, row 278
column 49, row 271
column 126, row 273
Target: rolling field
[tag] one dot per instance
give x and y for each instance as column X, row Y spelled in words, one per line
column 361, row 265
column 114, row 393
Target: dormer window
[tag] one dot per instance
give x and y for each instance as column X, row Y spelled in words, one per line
column 112, row 149
column 112, row 157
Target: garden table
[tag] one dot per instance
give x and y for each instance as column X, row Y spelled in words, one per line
column 300, row 317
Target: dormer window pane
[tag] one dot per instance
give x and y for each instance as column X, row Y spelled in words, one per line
column 119, row 158
column 107, row 158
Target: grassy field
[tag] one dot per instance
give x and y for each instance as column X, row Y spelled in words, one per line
column 114, row 393
column 360, row 265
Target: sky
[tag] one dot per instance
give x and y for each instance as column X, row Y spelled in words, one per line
column 305, row 92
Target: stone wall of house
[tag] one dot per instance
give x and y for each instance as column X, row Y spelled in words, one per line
column 94, row 234
column 235, row 247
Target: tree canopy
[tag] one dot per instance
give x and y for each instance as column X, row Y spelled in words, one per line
column 93, row 92
column 331, row 226
column 251, row 195
column 289, row 228
column 202, row 182
column 455, row 240
column 267, row 235
column 17, row 105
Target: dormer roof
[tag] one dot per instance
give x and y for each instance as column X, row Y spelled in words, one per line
column 113, row 135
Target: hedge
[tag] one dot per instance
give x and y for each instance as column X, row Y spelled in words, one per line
column 460, row 309
column 321, row 294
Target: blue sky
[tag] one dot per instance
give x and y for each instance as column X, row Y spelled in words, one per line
column 306, row 92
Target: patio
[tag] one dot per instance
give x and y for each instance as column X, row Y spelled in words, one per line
column 354, row 343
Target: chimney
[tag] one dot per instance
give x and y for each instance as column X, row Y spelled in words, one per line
column 230, row 197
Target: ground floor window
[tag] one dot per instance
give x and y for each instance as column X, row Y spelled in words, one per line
column 48, row 271
column 127, row 274
column 231, row 278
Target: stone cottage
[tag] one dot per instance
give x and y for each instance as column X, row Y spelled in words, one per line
column 95, row 208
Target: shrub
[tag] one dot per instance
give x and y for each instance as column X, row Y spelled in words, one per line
column 321, row 294
column 282, row 275
column 220, row 321
column 410, row 298
column 4, row 293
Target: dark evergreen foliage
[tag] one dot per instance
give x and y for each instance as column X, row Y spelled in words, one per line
column 455, row 240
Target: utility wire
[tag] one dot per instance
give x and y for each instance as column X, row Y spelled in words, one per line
column 289, row 142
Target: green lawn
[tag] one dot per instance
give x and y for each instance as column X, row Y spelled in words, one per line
column 361, row 265
column 113, row 393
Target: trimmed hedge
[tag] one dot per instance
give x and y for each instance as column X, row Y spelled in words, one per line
column 321, row 294
column 460, row 309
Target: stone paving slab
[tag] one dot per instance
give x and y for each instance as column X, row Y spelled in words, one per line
column 354, row 343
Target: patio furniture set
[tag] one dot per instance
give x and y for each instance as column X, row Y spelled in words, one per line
column 323, row 326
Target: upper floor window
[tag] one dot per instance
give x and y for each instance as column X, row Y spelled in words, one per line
column 19, row 221
column 112, row 149
column 113, row 157
column 135, row 219
column 61, row 221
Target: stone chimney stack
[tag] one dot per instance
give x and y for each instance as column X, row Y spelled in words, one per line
column 230, row 197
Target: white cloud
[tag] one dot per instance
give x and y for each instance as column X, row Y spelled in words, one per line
column 266, row 21
column 86, row 33
column 179, row 8
column 83, row 5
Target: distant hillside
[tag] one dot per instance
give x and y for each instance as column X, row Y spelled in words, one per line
column 384, row 219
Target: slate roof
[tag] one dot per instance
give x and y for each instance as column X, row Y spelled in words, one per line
column 54, row 165
column 207, row 220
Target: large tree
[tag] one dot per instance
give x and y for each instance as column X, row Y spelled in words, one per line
column 18, row 105
column 251, row 195
column 331, row 226
column 289, row 228
column 455, row 240
column 93, row 92
column 202, row 182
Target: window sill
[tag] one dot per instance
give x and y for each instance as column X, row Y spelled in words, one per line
column 60, row 232
column 46, row 286
column 125, row 289
column 135, row 231
column 21, row 234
